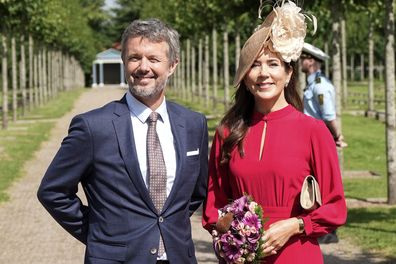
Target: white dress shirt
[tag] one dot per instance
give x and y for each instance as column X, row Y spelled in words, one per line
column 139, row 115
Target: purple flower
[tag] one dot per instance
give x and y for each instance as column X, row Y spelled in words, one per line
column 242, row 241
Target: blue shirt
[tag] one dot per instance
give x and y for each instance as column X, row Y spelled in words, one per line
column 319, row 97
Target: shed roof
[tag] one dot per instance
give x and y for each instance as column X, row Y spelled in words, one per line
column 109, row 54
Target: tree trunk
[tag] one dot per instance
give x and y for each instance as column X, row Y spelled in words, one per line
column 206, row 71
column 45, row 85
column 390, row 100
column 183, row 74
column 22, row 76
column 36, row 80
column 302, row 79
column 200, row 67
column 40, row 78
column 14, row 80
column 327, row 68
column 336, row 59
column 371, row 69
column 215, row 79
column 193, row 72
column 4, row 71
column 237, row 50
column 31, row 79
column 188, row 68
column 50, row 65
column 226, row 71
column 344, row 63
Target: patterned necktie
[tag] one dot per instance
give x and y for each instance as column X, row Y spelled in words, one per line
column 156, row 169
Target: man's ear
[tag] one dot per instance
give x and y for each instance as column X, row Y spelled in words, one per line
column 173, row 67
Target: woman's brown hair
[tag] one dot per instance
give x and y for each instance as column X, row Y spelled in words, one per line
column 238, row 118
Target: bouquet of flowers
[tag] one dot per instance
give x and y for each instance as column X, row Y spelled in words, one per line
column 237, row 236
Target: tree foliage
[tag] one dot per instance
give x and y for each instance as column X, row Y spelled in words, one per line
column 73, row 26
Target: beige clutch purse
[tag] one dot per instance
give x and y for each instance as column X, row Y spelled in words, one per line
column 310, row 197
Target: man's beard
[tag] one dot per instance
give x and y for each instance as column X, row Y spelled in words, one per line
column 144, row 92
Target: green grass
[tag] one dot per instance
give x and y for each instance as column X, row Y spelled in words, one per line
column 373, row 229
column 365, row 151
column 21, row 140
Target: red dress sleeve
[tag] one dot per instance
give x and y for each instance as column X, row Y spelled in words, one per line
column 219, row 193
column 325, row 167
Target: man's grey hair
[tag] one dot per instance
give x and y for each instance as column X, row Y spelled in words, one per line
column 156, row 31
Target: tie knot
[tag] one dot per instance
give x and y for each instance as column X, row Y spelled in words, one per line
column 153, row 117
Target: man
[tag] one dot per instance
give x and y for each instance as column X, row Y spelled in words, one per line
column 319, row 102
column 319, row 95
column 139, row 196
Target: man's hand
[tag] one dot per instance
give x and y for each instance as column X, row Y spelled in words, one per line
column 340, row 141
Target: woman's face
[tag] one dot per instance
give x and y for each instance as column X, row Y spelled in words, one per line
column 267, row 79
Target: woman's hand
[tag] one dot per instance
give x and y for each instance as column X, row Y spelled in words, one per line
column 278, row 234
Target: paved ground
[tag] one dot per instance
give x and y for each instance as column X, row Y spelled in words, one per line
column 29, row 235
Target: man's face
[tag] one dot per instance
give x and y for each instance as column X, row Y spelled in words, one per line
column 306, row 63
column 147, row 68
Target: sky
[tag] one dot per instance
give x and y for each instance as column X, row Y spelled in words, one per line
column 110, row 3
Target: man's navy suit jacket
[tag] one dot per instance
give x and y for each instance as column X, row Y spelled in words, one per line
column 120, row 223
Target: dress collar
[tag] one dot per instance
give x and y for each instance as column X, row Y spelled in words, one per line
column 257, row 116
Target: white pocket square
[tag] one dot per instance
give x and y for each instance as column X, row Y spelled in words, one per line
column 193, row 152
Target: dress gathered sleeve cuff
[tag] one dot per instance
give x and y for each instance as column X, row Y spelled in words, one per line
column 325, row 167
column 218, row 186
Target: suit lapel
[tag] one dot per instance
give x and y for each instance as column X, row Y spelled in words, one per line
column 124, row 131
column 179, row 133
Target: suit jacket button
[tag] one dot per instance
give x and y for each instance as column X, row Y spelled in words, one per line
column 153, row 251
column 160, row 219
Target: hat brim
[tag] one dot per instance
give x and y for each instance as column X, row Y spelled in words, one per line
column 252, row 48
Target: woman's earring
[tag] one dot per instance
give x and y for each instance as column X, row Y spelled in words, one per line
column 286, row 84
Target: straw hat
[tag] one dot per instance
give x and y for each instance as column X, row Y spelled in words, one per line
column 283, row 31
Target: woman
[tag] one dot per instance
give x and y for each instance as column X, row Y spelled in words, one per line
column 265, row 146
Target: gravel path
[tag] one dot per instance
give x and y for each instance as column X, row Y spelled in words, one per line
column 29, row 235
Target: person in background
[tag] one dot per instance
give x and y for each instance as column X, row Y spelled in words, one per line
column 142, row 162
column 320, row 103
column 319, row 95
column 265, row 146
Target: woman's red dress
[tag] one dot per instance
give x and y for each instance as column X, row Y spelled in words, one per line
column 295, row 146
